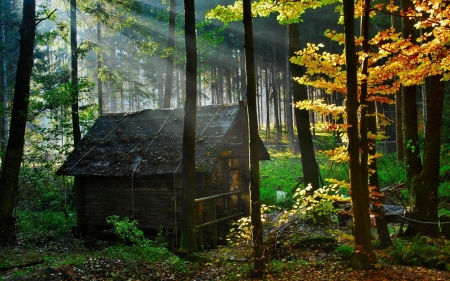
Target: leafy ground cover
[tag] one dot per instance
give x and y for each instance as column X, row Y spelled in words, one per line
column 305, row 253
column 46, row 251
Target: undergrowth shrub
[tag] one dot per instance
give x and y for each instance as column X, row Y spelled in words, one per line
column 46, row 222
column 140, row 247
column 421, row 251
column 345, row 251
column 127, row 229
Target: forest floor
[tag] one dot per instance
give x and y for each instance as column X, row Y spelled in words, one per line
column 308, row 258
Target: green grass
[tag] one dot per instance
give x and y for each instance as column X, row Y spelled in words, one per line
column 279, row 174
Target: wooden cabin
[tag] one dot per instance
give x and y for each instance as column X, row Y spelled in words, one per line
column 129, row 164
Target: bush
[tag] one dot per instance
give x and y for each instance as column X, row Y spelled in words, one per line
column 422, row 251
column 31, row 224
column 127, row 229
column 345, row 251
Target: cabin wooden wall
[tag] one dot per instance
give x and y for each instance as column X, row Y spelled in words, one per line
column 157, row 199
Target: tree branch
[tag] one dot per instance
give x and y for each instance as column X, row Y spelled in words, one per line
column 41, row 20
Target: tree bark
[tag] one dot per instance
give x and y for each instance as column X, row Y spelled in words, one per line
column 363, row 143
column 267, row 106
column 3, row 77
column 242, row 80
column 276, row 105
column 398, row 109
column 368, row 132
column 9, row 180
column 289, row 81
column 99, row 65
column 308, row 157
column 188, row 243
column 364, row 256
column 424, row 186
column 258, row 247
column 170, row 46
column 74, row 56
column 228, row 81
column 380, row 219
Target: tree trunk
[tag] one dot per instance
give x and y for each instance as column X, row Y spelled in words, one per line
column 424, row 186
column 289, row 81
column 9, row 180
column 258, row 247
column 308, row 157
column 410, row 128
column 4, row 80
column 267, row 106
column 242, row 80
column 380, row 219
column 170, row 46
column 188, row 232
column 276, row 106
column 74, row 56
column 177, row 83
column 99, row 64
column 364, row 256
column 363, row 143
column 228, row 83
column 160, row 85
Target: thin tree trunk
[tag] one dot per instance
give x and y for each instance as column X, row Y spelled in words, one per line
column 9, row 180
column 258, row 247
column 364, row 147
column 228, row 84
column 177, row 83
column 188, row 233
column 74, row 55
column 267, row 106
column 276, row 107
column 410, row 128
column 308, row 157
column 4, row 83
column 243, row 82
column 380, row 219
column 99, row 65
column 364, row 256
column 369, row 126
column 170, row 46
column 160, row 87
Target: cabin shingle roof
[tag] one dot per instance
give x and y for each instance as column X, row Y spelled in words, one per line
column 149, row 142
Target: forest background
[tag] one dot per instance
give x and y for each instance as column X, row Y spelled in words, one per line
column 123, row 60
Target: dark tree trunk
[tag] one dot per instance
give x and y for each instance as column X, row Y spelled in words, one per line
column 289, row 81
column 364, row 147
column 308, row 157
column 276, row 106
column 364, row 256
column 228, row 83
column 160, row 85
column 258, row 247
column 9, row 180
column 380, row 219
column 6, row 10
column 177, row 83
column 170, row 46
column 74, row 56
column 99, row 64
column 398, row 110
column 188, row 233
column 242, row 80
column 368, row 132
column 267, row 106
column 424, row 186
column 410, row 129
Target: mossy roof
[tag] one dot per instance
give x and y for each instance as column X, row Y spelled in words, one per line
column 149, row 142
